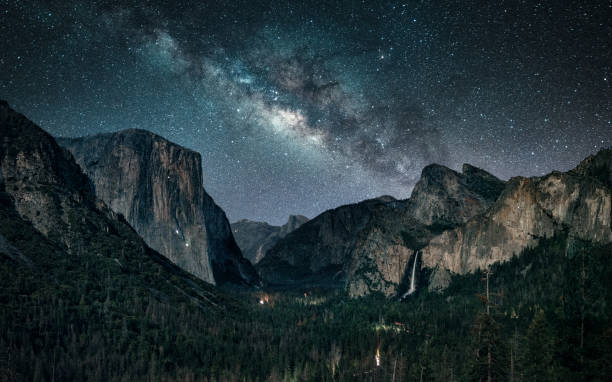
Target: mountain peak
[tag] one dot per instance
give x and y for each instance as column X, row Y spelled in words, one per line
column 158, row 186
column 435, row 170
column 598, row 166
column 293, row 223
column 386, row 198
column 444, row 196
column 255, row 238
column 297, row 218
column 138, row 138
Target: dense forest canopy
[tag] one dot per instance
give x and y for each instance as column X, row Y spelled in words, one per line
column 545, row 316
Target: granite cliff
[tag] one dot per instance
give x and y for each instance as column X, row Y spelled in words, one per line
column 157, row 186
column 256, row 238
column 54, row 231
column 366, row 247
column 442, row 199
column 577, row 203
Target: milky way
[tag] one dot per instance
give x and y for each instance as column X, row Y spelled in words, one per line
column 299, row 107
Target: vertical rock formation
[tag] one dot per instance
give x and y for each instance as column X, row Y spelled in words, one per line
column 441, row 200
column 256, row 238
column 366, row 247
column 444, row 198
column 157, row 186
column 576, row 202
column 45, row 186
column 53, row 228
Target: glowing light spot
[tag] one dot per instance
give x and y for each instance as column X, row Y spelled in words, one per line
column 316, row 139
column 293, row 124
column 261, row 302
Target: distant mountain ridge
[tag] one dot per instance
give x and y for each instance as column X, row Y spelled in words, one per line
column 318, row 251
column 158, row 186
column 453, row 223
column 577, row 203
column 366, row 247
column 256, row 238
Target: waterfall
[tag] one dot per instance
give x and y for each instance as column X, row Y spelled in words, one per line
column 412, row 288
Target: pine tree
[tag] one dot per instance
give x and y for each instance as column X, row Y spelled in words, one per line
column 488, row 360
column 540, row 352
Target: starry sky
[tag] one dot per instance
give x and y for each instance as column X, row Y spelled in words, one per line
column 302, row 106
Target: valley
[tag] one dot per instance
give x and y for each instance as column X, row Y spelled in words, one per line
column 470, row 278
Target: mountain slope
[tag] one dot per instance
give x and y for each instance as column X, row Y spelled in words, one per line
column 577, row 203
column 256, row 238
column 44, row 194
column 316, row 253
column 157, row 186
column 367, row 246
column 74, row 274
column 385, row 250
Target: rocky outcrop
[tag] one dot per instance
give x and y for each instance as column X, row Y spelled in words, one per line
column 53, row 229
column 44, row 184
column 441, row 200
column 367, row 247
column 577, row 203
column 256, row 238
column 157, row 186
column 318, row 253
column 597, row 166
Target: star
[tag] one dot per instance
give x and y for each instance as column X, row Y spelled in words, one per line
column 303, row 115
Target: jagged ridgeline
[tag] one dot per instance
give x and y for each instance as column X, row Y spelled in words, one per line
column 83, row 297
column 457, row 223
column 367, row 247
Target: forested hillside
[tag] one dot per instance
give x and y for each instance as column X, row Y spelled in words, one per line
column 89, row 317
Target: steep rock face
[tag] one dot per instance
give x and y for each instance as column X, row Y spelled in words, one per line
column 442, row 199
column 42, row 186
column 527, row 210
column 157, row 186
column 367, row 247
column 45, row 185
column 318, row 252
column 445, row 198
column 256, row 238
column 294, row 222
column 598, row 166
column 55, row 230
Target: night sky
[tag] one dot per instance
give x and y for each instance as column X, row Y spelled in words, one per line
column 303, row 106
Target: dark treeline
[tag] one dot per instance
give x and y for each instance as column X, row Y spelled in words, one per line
column 545, row 316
